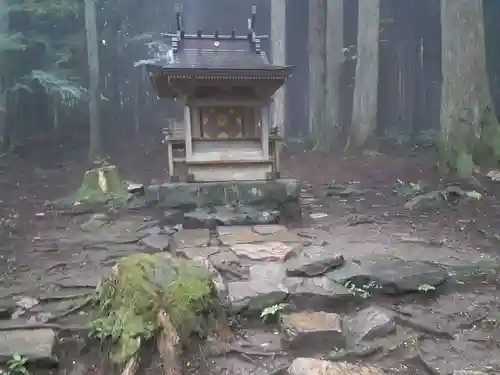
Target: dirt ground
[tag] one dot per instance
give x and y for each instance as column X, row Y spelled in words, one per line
column 43, row 175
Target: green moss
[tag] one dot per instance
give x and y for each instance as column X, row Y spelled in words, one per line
column 92, row 191
column 127, row 305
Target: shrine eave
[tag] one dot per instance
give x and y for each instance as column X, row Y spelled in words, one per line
column 267, row 73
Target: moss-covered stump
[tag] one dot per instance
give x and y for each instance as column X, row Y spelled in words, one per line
column 150, row 295
column 100, row 186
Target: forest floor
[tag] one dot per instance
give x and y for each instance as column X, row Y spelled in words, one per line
column 372, row 220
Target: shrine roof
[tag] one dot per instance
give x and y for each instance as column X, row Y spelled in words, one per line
column 205, row 55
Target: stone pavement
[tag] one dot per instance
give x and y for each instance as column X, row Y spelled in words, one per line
column 319, row 285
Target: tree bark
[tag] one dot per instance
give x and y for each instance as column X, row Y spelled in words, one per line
column 317, row 85
column 334, row 64
column 4, row 29
column 364, row 112
column 278, row 53
column 95, row 146
column 469, row 128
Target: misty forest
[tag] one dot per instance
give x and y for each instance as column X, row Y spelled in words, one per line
column 251, row 187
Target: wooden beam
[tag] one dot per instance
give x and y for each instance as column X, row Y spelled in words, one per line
column 187, row 132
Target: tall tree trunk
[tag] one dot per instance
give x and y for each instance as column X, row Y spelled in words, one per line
column 4, row 29
column 317, row 86
column 278, row 52
column 470, row 132
column 334, row 64
column 365, row 102
column 94, row 91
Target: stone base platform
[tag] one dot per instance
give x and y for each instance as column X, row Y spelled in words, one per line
column 281, row 194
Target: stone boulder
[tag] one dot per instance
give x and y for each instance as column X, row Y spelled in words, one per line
column 312, row 331
column 314, row 261
column 369, row 324
column 389, row 275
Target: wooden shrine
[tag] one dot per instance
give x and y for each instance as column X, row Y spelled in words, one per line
column 226, row 84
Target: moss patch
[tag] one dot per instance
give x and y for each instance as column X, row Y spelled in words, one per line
column 127, row 304
column 100, row 185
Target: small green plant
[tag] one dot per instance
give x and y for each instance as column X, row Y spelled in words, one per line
column 273, row 312
column 426, row 288
column 361, row 292
column 16, row 366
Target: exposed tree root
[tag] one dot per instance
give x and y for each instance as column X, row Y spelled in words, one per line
column 169, row 346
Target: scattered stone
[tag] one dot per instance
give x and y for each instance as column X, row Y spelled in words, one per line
column 26, row 303
column 318, row 215
column 339, row 190
column 191, row 238
column 197, row 252
column 313, row 261
column 389, row 275
column 469, row 372
column 316, row 291
column 96, row 222
column 160, row 242
column 134, row 188
column 258, row 340
column 315, row 331
column 254, row 295
column 270, row 251
column 244, row 235
column 353, row 220
column 369, row 324
column 35, row 344
column 268, row 229
column 313, row 366
column 228, row 264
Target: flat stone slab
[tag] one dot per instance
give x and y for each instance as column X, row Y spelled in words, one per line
column 389, row 275
column 259, row 233
column 160, row 242
column 312, row 366
column 254, row 295
column 35, row 344
column 314, row 261
column 268, row 251
column 315, row 331
column 196, row 252
column 369, row 324
column 191, row 238
column 271, row 272
column 319, row 292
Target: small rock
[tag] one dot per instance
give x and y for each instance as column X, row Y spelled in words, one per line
column 191, row 238
column 228, row 264
column 254, row 295
column 35, row 344
column 315, row 291
column 26, row 303
column 160, row 242
column 318, row 215
column 270, row 251
column 313, row 261
column 134, row 188
column 312, row 366
column 258, row 340
column 196, row 252
column 368, row 324
column 267, row 229
column 315, row 331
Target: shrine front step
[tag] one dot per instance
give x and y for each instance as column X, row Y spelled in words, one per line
column 280, row 194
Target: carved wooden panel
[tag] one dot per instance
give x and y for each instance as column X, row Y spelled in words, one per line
column 222, row 122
